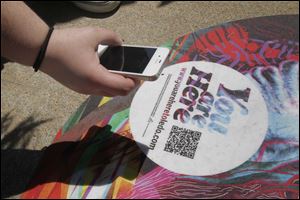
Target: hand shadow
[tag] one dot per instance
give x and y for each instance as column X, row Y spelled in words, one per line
column 18, row 163
column 86, row 162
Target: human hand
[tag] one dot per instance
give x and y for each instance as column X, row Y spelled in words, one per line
column 72, row 60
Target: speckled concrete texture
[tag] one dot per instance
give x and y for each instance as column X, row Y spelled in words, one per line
column 34, row 106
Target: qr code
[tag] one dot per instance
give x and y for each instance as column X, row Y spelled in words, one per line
column 183, row 142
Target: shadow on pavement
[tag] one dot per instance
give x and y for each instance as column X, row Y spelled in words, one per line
column 17, row 165
column 61, row 162
column 21, row 134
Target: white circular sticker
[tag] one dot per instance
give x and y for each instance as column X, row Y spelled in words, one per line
column 199, row 118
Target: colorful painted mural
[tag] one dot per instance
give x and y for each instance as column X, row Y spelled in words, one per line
column 105, row 162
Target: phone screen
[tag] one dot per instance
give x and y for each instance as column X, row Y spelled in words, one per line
column 127, row 59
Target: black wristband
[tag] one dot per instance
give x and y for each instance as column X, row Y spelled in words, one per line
column 42, row 51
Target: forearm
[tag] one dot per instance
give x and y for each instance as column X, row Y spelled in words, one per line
column 22, row 32
column 71, row 56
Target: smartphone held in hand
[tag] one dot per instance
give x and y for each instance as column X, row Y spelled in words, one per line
column 140, row 62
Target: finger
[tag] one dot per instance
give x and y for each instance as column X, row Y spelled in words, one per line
column 120, row 85
column 137, row 82
column 102, row 93
column 107, row 37
column 113, row 83
column 93, row 89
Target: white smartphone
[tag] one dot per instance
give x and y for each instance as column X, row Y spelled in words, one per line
column 141, row 62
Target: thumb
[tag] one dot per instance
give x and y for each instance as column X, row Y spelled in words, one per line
column 107, row 37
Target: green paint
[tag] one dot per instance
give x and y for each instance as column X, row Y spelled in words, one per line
column 74, row 118
column 118, row 118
